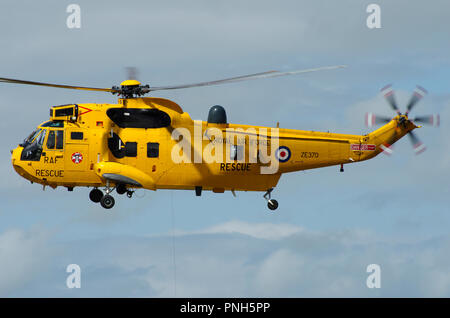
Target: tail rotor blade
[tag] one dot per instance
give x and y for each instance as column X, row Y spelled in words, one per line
column 433, row 120
column 387, row 149
column 372, row 120
column 418, row 146
column 418, row 94
column 388, row 93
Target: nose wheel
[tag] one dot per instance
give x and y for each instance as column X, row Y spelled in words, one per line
column 272, row 204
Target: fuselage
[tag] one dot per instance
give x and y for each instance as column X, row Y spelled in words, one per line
column 151, row 143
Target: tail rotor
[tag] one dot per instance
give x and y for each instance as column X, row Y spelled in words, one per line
column 419, row 93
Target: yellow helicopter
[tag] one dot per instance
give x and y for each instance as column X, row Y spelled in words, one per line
column 151, row 143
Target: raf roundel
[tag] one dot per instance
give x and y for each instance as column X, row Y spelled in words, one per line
column 77, row 158
column 283, row 154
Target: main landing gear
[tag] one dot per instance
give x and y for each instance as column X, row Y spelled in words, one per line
column 272, row 204
column 106, row 200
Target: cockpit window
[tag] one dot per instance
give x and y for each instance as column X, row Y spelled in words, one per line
column 51, row 140
column 41, row 137
column 55, row 138
column 33, row 146
column 59, row 139
column 31, row 137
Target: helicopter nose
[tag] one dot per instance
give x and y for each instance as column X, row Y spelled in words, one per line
column 17, row 164
column 15, row 155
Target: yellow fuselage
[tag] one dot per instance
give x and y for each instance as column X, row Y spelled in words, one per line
column 144, row 157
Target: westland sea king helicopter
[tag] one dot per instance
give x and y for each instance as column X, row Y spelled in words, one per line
column 131, row 144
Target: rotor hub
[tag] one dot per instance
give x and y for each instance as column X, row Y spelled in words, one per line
column 130, row 88
column 130, row 82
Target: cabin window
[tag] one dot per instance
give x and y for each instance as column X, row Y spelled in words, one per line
column 139, row 117
column 76, row 135
column 131, row 149
column 152, row 150
column 236, row 152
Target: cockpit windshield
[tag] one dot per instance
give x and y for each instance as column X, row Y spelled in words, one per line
column 31, row 137
column 33, row 145
column 40, row 138
column 34, row 134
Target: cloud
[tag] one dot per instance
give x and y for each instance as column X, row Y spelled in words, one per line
column 265, row 231
column 229, row 260
column 23, row 254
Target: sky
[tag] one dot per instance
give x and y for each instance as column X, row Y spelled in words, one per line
column 391, row 211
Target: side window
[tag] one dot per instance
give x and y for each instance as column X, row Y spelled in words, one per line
column 152, row 150
column 51, row 140
column 76, row 135
column 131, row 149
column 59, row 139
column 236, row 152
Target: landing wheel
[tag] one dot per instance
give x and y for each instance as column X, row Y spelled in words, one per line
column 272, row 204
column 121, row 189
column 107, row 201
column 96, row 195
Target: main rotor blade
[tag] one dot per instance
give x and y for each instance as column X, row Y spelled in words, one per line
column 428, row 120
column 419, row 147
column 419, row 93
column 388, row 93
column 267, row 74
column 16, row 81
